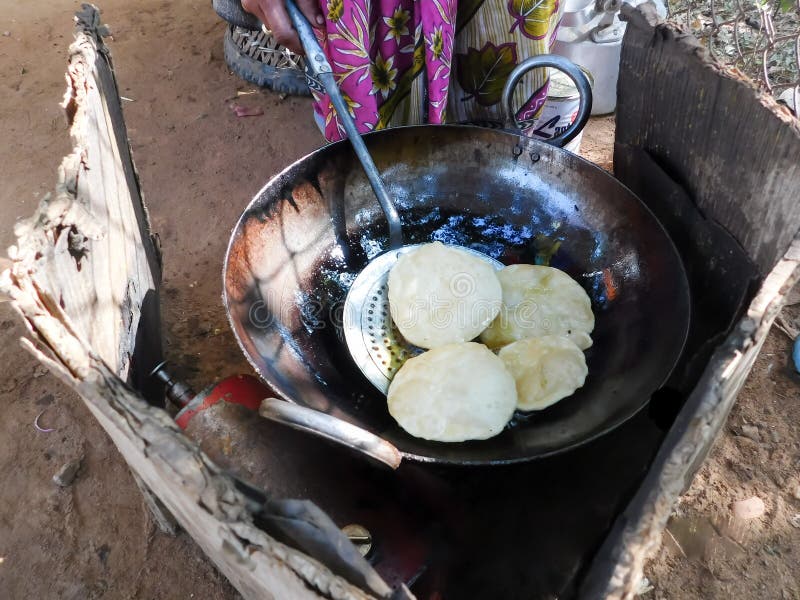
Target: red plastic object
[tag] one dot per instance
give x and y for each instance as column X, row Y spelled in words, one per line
column 238, row 389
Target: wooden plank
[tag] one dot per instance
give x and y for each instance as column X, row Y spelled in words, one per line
column 722, row 278
column 205, row 501
column 696, row 131
column 96, row 257
column 84, row 278
column 732, row 148
column 162, row 518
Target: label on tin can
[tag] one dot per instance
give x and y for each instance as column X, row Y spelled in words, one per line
column 560, row 109
column 556, row 117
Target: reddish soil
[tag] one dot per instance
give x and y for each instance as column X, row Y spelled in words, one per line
column 199, row 165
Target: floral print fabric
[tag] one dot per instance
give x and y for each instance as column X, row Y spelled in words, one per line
column 401, row 62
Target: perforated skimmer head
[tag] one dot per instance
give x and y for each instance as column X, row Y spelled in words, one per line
column 375, row 343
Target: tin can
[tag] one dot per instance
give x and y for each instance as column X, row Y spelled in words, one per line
column 560, row 109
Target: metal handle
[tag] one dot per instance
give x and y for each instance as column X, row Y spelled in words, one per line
column 562, row 64
column 331, row 428
column 321, row 70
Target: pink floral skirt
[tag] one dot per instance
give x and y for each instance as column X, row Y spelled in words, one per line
column 404, row 62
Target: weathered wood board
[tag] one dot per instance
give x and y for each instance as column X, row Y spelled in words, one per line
column 733, row 148
column 89, row 243
column 707, row 134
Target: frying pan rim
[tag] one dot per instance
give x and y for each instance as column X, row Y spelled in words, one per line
column 446, row 462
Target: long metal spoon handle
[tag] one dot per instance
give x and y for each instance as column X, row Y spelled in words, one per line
column 331, row 428
column 321, row 69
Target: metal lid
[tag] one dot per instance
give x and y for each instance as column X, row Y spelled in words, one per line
column 562, row 87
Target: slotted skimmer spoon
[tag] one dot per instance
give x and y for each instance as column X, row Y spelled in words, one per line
column 375, row 343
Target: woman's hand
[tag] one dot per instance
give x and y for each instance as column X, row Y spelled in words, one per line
column 273, row 14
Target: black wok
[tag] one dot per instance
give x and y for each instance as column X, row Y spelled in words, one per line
column 312, row 228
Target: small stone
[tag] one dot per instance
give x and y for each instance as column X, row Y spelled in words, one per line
column 752, row 508
column 743, row 471
column 774, row 436
column 45, row 400
column 645, row 586
column 6, row 34
column 66, row 475
column 751, row 432
column 102, row 553
column 796, row 492
column 795, row 520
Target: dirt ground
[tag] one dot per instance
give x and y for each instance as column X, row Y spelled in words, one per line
column 710, row 552
column 199, row 165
